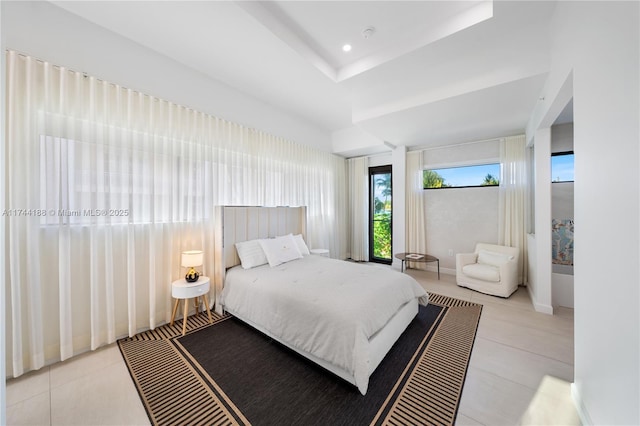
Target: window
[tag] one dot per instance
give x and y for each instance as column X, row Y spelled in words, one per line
column 562, row 167
column 380, row 214
column 83, row 183
column 462, row 177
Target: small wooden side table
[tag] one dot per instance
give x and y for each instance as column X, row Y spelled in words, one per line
column 181, row 289
column 416, row 257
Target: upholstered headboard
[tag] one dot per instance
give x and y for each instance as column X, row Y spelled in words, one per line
column 236, row 224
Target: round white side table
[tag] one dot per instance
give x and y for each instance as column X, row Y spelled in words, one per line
column 183, row 290
column 319, row 251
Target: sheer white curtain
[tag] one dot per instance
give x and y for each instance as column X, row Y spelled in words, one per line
column 359, row 208
column 512, row 198
column 107, row 186
column 416, row 228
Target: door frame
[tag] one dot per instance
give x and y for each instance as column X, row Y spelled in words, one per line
column 374, row 171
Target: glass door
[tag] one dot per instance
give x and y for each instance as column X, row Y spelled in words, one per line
column 380, row 214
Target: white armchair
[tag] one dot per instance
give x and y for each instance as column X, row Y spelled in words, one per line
column 491, row 269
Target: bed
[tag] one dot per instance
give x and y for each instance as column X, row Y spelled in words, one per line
column 341, row 315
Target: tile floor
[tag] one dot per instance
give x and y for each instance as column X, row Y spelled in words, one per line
column 519, row 372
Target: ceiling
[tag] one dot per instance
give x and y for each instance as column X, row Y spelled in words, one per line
column 428, row 73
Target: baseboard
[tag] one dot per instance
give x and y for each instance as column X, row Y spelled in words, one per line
column 447, row 271
column 580, row 408
column 434, row 268
column 539, row 307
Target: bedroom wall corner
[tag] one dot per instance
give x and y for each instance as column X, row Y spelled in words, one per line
column 542, row 301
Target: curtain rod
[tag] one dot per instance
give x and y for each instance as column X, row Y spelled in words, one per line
column 457, row 144
column 60, row 67
column 158, row 99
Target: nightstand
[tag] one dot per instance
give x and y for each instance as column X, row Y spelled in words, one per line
column 181, row 289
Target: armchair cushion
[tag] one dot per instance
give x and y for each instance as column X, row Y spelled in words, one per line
column 482, row 272
column 490, row 269
column 492, row 258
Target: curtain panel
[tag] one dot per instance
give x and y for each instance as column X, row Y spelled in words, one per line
column 512, row 229
column 416, row 227
column 107, row 186
column 359, row 208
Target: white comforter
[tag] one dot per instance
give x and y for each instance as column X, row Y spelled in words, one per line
column 329, row 308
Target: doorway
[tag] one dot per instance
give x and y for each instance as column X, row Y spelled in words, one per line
column 380, row 214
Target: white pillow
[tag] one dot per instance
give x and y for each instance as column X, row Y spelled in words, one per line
column 302, row 246
column 492, row 258
column 251, row 254
column 280, row 250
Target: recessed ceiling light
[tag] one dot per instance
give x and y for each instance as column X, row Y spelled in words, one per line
column 346, row 47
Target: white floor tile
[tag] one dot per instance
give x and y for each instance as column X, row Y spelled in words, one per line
column 27, row 386
column 552, row 405
column 528, row 338
column 517, row 365
column 462, row 420
column 529, row 319
column 33, row 411
column 84, row 364
column 492, row 400
column 519, row 299
column 106, row 396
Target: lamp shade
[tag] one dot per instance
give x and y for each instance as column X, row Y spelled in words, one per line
column 192, row 258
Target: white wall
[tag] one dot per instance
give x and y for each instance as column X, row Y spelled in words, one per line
column 540, row 290
column 458, row 218
column 355, row 142
column 562, row 200
column 598, row 43
column 47, row 32
column 381, row 160
column 3, row 260
column 562, row 137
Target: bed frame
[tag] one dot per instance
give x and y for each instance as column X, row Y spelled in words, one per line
column 237, row 224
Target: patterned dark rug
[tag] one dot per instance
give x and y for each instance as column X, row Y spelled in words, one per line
column 229, row 373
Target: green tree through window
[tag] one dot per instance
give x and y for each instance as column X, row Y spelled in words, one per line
column 381, row 218
column 489, row 179
column 462, row 177
column 431, row 179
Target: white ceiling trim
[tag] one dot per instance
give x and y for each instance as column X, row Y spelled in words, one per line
column 441, row 93
column 451, row 121
column 463, row 20
column 268, row 15
column 285, row 32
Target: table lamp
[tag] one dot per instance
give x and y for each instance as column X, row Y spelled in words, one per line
column 190, row 259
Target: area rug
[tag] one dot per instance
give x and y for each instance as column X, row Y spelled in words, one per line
column 229, row 373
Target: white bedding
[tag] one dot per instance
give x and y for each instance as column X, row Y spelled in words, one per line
column 329, row 308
